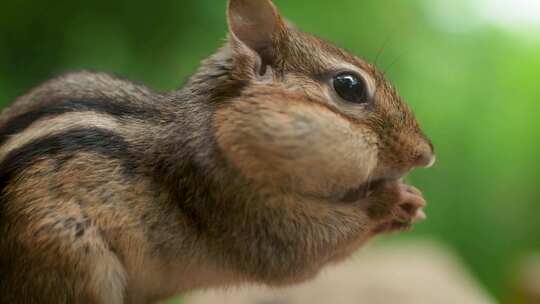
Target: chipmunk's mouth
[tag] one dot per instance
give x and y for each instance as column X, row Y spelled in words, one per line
column 366, row 188
column 363, row 190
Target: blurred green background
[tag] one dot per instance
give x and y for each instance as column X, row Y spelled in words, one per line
column 469, row 68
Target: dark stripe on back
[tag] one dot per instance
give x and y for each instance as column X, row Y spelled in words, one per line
column 117, row 109
column 64, row 146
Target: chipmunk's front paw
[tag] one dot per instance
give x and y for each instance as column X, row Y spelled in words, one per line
column 395, row 206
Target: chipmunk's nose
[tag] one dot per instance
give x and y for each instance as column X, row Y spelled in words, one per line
column 425, row 157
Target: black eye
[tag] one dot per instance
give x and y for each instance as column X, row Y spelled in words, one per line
column 351, row 87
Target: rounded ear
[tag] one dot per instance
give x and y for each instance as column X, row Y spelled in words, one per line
column 257, row 24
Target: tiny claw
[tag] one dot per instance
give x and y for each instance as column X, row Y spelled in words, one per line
column 420, row 215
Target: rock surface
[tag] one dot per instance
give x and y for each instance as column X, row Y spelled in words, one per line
column 402, row 272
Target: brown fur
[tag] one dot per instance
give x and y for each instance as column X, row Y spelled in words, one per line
column 254, row 172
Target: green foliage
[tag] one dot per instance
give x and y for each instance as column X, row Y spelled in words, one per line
column 475, row 92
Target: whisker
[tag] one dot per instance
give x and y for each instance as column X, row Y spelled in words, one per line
column 393, row 62
column 382, row 48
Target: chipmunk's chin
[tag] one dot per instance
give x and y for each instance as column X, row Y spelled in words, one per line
column 392, row 227
column 376, row 179
column 366, row 188
column 360, row 192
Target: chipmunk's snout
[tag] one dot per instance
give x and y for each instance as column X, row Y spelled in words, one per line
column 424, row 156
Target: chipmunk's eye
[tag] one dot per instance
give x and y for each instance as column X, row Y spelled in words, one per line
column 351, row 87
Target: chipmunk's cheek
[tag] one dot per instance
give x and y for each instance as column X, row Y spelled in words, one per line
column 296, row 145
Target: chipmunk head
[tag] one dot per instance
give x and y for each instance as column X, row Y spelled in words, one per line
column 309, row 121
column 311, row 118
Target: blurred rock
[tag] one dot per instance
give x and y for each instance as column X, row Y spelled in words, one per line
column 400, row 272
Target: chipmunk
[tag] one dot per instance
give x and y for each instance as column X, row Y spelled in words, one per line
column 280, row 155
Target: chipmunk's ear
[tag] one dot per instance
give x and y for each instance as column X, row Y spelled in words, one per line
column 257, row 24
